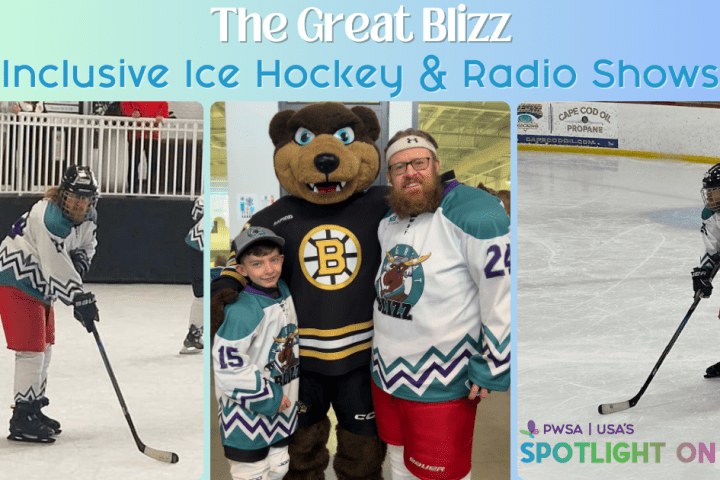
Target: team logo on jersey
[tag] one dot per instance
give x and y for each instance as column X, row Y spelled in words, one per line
column 19, row 226
column 282, row 362
column 330, row 257
column 401, row 281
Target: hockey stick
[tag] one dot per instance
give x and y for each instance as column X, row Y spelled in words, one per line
column 159, row 455
column 607, row 408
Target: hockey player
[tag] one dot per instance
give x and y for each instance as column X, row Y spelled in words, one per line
column 442, row 319
column 45, row 258
column 256, row 363
column 193, row 342
column 710, row 231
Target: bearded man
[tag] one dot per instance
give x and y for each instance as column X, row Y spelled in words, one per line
column 442, row 319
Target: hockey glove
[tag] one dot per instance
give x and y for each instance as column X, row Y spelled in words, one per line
column 701, row 282
column 80, row 261
column 86, row 311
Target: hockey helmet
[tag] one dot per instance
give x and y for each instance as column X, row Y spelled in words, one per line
column 78, row 193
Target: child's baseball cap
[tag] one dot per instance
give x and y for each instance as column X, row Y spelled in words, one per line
column 253, row 235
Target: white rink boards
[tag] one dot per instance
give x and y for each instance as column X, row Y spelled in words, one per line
column 606, row 245
column 142, row 328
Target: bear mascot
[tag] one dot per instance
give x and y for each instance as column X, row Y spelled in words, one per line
column 326, row 159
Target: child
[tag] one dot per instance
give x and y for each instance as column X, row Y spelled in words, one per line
column 256, row 354
column 710, row 231
column 45, row 257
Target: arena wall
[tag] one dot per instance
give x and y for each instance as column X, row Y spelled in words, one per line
column 139, row 239
column 686, row 133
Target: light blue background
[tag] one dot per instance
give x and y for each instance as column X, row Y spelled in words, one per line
column 86, row 32
column 170, row 32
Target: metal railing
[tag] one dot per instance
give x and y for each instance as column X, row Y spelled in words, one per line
column 129, row 156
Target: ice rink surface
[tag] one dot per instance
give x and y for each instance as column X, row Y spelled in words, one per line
column 142, row 328
column 605, row 249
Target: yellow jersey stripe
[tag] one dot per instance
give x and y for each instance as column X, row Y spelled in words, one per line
column 337, row 331
column 336, row 355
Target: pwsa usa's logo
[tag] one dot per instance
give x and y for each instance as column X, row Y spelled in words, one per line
column 531, row 430
column 613, row 446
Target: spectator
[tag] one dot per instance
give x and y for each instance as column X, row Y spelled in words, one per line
column 140, row 139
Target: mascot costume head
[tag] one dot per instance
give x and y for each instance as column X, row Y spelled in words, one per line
column 326, row 159
column 325, row 153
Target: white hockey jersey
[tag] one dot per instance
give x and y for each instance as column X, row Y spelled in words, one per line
column 256, row 360
column 442, row 319
column 710, row 230
column 194, row 238
column 35, row 256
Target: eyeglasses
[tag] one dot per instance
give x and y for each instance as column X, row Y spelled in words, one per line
column 417, row 163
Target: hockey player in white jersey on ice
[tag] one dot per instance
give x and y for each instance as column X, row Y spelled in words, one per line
column 710, row 231
column 193, row 342
column 442, row 319
column 256, row 363
column 44, row 258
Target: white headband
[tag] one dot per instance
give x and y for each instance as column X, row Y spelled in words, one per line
column 412, row 141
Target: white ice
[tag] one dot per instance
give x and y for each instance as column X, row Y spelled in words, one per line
column 605, row 249
column 142, row 328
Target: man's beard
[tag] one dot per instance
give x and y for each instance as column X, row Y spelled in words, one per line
column 408, row 205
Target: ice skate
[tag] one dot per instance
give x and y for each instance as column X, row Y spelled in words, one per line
column 50, row 422
column 713, row 371
column 25, row 426
column 193, row 341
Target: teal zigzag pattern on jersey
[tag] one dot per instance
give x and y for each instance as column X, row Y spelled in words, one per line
column 21, row 271
column 198, row 209
column 434, row 378
column 249, row 431
column 500, row 350
column 493, row 374
column 194, row 237
column 258, row 399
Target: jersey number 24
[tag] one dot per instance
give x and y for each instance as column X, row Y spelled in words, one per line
column 495, row 254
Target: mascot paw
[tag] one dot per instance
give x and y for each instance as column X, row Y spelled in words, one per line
column 359, row 457
column 309, row 456
column 217, row 307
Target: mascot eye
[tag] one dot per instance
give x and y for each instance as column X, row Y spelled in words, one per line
column 345, row 135
column 303, row 136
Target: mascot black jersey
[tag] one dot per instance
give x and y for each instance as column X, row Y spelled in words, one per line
column 333, row 248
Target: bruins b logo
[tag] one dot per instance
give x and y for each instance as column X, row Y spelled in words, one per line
column 330, row 257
